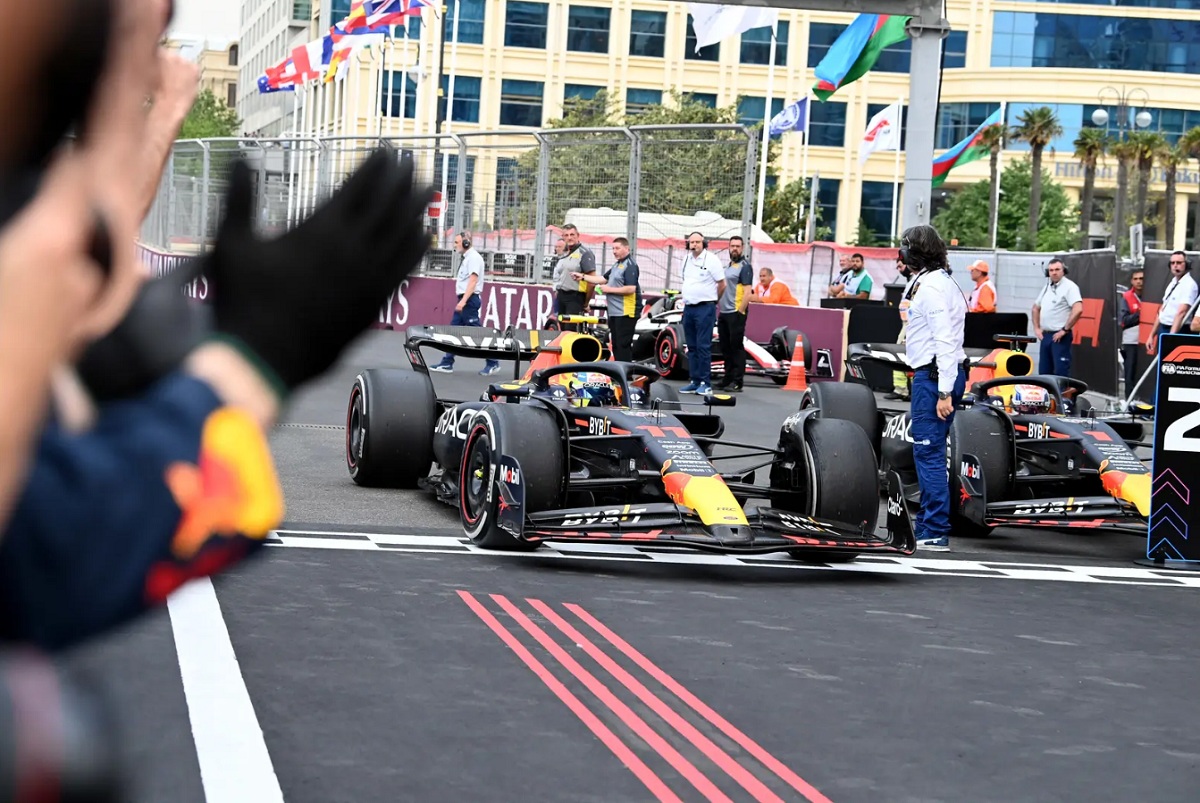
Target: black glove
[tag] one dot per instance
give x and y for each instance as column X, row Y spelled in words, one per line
column 294, row 303
column 159, row 331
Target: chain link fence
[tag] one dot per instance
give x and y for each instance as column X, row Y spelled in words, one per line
column 512, row 190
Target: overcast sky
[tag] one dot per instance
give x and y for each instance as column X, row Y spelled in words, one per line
column 206, row 19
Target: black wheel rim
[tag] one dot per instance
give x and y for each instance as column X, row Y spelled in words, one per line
column 475, row 478
column 354, row 429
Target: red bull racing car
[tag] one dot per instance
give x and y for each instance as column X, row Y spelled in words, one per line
column 1021, row 453
column 582, row 448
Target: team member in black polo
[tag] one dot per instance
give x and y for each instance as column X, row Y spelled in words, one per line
column 624, row 299
column 731, row 315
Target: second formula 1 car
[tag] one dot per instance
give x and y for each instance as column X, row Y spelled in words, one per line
column 579, row 448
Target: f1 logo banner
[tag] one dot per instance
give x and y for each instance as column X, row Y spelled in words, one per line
column 1174, row 532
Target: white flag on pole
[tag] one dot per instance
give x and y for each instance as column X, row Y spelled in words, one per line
column 712, row 23
column 882, row 134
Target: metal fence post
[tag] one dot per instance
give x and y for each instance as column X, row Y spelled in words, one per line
column 202, row 239
column 635, row 189
column 543, row 209
column 749, row 189
column 460, row 184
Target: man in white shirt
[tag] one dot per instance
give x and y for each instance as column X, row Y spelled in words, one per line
column 1178, row 298
column 703, row 284
column 468, row 287
column 1056, row 310
column 937, row 315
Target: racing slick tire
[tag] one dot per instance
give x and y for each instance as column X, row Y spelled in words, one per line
column 389, row 428
column 841, row 484
column 530, row 435
column 846, row 401
column 981, row 433
column 782, row 346
column 669, row 357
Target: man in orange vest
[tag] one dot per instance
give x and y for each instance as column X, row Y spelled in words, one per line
column 770, row 291
column 983, row 297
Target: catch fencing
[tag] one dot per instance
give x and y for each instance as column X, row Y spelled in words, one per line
column 514, row 191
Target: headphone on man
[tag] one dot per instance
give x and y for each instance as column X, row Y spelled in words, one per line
column 910, row 259
column 702, row 237
column 1046, row 268
column 466, row 240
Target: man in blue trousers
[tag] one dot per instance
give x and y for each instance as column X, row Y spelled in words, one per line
column 703, row 284
column 937, row 314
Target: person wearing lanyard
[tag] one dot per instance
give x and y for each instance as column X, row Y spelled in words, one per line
column 1055, row 312
column 468, row 289
column 1177, row 300
column 900, row 378
column 703, row 284
column 937, row 316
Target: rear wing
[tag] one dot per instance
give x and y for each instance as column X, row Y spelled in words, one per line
column 476, row 341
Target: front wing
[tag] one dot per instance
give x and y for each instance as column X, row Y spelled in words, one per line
column 664, row 524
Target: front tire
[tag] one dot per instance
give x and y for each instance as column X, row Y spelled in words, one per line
column 846, row 401
column 980, row 432
column 532, row 437
column 389, row 428
column 668, row 353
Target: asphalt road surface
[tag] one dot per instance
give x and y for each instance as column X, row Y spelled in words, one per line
column 372, row 655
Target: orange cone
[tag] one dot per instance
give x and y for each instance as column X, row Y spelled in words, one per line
column 797, row 373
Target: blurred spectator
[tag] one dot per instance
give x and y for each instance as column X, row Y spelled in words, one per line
column 770, row 290
column 983, row 297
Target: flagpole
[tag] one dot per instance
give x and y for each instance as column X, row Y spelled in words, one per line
column 766, row 132
column 896, row 177
column 999, row 172
column 391, row 63
column 404, row 80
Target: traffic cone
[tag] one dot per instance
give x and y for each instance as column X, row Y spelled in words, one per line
column 797, row 373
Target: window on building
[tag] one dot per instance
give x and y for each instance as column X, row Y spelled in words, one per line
column 875, row 108
column 1186, row 5
column 467, row 91
column 338, row 10
column 957, row 120
column 302, row 11
column 709, row 99
column 751, row 109
column 587, row 29
column 954, row 50
column 710, row 53
column 581, row 91
column 1071, row 41
column 521, row 103
column 827, row 124
column 756, row 45
column 452, row 179
column 414, row 28
column 638, row 100
column 877, row 208
column 525, row 24
column 233, row 55
column 648, row 33
column 231, row 94
column 508, row 191
column 827, row 201
column 470, row 27
column 821, row 35
column 398, row 87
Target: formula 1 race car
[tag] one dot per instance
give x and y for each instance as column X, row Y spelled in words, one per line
column 586, row 450
column 1020, row 453
column 658, row 340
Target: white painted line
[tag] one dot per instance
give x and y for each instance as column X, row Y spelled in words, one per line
column 897, row 565
column 234, row 763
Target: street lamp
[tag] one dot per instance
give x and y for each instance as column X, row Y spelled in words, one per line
column 1141, row 120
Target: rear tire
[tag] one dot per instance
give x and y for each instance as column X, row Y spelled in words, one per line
column 983, row 434
column 389, row 428
column 846, row 401
column 532, row 436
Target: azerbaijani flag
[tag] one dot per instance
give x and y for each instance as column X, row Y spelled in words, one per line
column 855, row 51
column 969, row 150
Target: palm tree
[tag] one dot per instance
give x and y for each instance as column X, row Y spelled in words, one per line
column 1189, row 143
column 1090, row 147
column 1145, row 145
column 993, row 139
column 1126, row 154
column 1039, row 127
column 1171, row 158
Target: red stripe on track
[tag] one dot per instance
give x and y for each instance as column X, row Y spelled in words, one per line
column 775, row 765
column 638, row 725
column 726, row 762
column 644, row 774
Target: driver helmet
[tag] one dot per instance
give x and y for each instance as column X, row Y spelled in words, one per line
column 592, row 390
column 1030, row 399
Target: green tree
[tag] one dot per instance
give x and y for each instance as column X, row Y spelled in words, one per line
column 1090, row 147
column 1039, row 127
column 782, row 219
column 1171, row 158
column 1189, row 143
column 965, row 216
column 210, row 117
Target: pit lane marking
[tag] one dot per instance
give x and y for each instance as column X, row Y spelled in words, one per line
column 867, row 564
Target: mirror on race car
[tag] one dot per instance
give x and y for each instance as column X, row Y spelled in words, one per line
column 720, row 400
column 1141, row 409
column 509, row 390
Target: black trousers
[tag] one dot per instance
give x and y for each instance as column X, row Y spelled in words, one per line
column 571, row 302
column 731, row 331
column 1130, row 351
column 620, row 332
